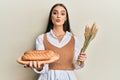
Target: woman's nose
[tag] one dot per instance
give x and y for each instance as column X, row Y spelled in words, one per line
column 58, row 15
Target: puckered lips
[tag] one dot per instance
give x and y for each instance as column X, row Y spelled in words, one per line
column 58, row 20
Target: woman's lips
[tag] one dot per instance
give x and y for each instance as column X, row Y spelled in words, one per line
column 58, row 20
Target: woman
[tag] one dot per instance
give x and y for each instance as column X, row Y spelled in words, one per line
column 58, row 37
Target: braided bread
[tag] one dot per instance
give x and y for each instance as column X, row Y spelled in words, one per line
column 36, row 55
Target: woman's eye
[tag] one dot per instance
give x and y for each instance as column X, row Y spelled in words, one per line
column 62, row 13
column 54, row 13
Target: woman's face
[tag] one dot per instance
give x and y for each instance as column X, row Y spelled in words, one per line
column 58, row 16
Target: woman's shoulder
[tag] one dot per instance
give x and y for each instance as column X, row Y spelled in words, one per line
column 70, row 34
column 41, row 35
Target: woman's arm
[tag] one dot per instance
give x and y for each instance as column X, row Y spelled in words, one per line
column 78, row 55
column 41, row 68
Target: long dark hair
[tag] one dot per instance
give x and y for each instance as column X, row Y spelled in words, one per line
column 66, row 25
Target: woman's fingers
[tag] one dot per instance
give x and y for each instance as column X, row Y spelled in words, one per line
column 35, row 64
column 25, row 66
column 82, row 57
column 82, row 53
column 38, row 64
column 31, row 64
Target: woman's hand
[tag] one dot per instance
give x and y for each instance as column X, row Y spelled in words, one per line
column 35, row 64
column 81, row 58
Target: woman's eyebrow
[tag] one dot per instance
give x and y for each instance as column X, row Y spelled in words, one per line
column 63, row 11
column 60, row 11
column 55, row 10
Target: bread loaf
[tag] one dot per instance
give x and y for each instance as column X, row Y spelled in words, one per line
column 37, row 55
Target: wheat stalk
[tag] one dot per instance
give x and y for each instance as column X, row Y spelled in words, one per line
column 90, row 33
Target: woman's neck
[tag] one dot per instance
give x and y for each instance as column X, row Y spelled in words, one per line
column 58, row 31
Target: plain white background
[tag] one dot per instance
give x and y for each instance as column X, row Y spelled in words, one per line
column 21, row 21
